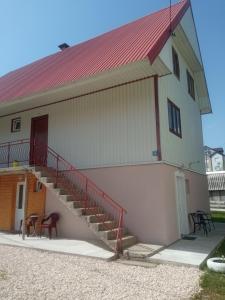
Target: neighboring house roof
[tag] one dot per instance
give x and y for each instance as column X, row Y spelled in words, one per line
column 132, row 42
column 218, row 150
column 216, row 181
column 212, row 151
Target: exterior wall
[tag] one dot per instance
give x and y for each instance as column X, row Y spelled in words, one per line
column 148, row 193
column 217, row 162
column 69, row 226
column 111, row 127
column 188, row 150
column 188, row 26
column 7, row 201
column 36, row 200
column 8, row 187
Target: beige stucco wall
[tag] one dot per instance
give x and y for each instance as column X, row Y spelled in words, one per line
column 69, row 226
column 148, row 193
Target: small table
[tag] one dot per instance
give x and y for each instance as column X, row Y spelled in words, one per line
column 31, row 221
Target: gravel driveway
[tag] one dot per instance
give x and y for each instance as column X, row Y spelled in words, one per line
column 32, row 274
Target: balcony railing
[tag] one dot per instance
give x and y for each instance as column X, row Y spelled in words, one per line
column 17, row 153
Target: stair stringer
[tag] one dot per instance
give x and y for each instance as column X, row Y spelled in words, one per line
column 95, row 227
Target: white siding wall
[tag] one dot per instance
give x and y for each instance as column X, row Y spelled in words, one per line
column 188, row 26
column 112, row 127
column 188, row 150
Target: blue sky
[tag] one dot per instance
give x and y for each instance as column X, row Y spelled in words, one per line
column 31, row 29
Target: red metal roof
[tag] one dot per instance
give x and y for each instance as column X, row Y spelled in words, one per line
column 132, row 42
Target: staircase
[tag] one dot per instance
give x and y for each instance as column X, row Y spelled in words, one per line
column 104, row 216
column 102, row 223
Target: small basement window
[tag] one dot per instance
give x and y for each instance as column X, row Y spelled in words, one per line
column 174, row 119
column 176, row 66
column 191, row 85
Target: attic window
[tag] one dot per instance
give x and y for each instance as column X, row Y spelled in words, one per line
column 176, row 66
column 191, row 85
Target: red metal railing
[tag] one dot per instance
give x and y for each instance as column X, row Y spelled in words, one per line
column 14, row 152
column 95, row 201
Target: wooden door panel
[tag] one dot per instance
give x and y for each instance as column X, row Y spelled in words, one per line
column 39, row 140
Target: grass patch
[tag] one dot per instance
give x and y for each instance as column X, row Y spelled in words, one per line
column 212, row 283
column 2, row 275
column 218, row 216
column 213, row 286
column 219, row 251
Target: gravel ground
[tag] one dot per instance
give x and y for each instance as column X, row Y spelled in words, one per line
column 32, row 274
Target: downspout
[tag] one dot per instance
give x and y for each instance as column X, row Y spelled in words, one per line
column 157, row 118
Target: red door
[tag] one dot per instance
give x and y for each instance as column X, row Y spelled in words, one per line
column 39, row 141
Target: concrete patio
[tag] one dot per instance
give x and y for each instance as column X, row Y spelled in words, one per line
column 92, row 249
column 182, row 252
column 191, row 252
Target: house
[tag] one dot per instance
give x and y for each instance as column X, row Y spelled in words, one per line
column 216, row 186
column 214, row 159
column 215, row 170
column 114, row 125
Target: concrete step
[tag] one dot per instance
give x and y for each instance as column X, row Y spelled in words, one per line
column 60, row 191
column 77, row 196
column 81, row 204
column 104, row 226
column 91, row 210
column 66, row 198
column 67, row 185
column 73, row 197
column 127, row 241
column 111, row 234
column 98, row 218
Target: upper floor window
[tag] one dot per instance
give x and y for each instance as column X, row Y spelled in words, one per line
column 191, row 85
column 176, row 66
column 174, row 119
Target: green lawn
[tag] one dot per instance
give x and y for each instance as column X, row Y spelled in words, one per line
column 212, row 283
column 218, row 216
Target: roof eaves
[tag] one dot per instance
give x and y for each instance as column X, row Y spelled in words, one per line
column 154, row 52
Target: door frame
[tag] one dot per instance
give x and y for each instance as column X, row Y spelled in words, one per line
column 32, row 134
column 23, row 203
column 182, row 220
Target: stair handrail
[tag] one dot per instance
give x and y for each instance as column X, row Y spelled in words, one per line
column 72, row 168
column 88, row 182
column 99, row 190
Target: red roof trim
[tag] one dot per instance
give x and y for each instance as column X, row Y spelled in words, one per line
column 154, row 52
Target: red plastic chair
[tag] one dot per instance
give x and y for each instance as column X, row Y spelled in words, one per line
column 51, row 220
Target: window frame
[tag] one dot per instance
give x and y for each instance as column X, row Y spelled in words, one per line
column 14, row 124
column 176, row 63
column 174, row 118
column 190, row 84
